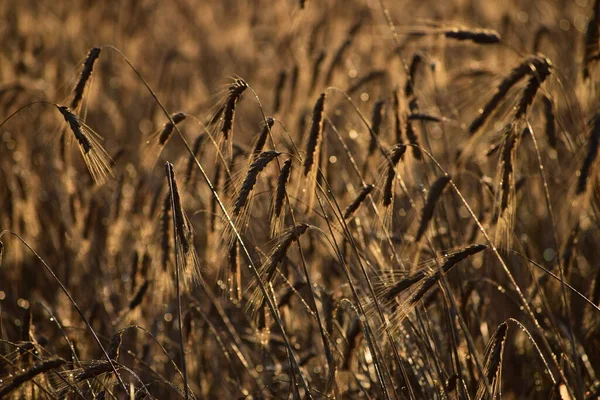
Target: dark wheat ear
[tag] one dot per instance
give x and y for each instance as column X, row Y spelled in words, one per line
column 86, row 73
column 157, row 140
column 528, row 66
column 236, row 90
column 405, row 294
column 592, row 153
column 409, row 88
column 277, row 214
column 167, row 130
column 294, row 78
column 139, row 296
column 435, row 192
column 533, row 85
column 376, row 121
column 16, row 381
column 493, row 363
column 249, row 182
column 313, row 146
column 479, row 36
column 184, row 232
column 413, row 139
column 394, row 158
column 242, row 202
column 96, row 158
column 452, row 260
column 262, row 138
column 550, row 122
column 279, row 87
column 269, row 268
column 355, row 204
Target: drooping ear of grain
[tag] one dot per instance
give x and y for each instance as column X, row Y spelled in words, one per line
column 394, row 158
column 493, row 362
column 409, row 88
column 279, row 87
column 262, row 137
column 423, row 117
column 280, row 251
column 376, row 121
column 167, row 130
column 586, row 168
column 448, row 264
column 528, row 66
column 355, row 204
column 313, row 150
column 531, row 89
column 314, row 138
column 96, row 158
column 413, row 288
column 80, row 136
column 86, row 73
column 479, row 36
column 433, row 196
column 249, row 182
column 184, row 232
column 13, row 383
column 413, row 139
column 402, row 286
column 235, row 92
column 550, row 122
column 276, row 256
column 280, row 196
column 139, row 296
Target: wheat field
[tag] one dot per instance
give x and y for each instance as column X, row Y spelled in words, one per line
column 378, row 199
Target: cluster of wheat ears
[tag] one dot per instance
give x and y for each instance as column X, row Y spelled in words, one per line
column 377, row 204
